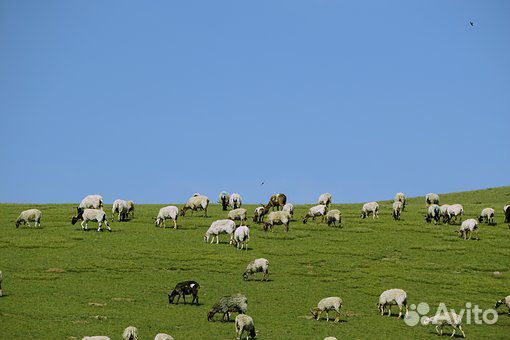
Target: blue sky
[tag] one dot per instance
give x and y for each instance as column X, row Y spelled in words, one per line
column 156, row 100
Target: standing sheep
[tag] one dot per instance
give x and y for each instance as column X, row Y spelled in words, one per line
column 163, row 336
column 196, row 203
column 235, row 201
column 238, row 214
column 431, row 198
column 169, row 212
column 87, row 215
column 400, row 197
column 325, row 305
column 27, row 216
column 442, row 319
column 370, row 208
column 325, row 199
column 224, row 199
column 131, row 209
column 91, row 202
column 277, row 218
column 443, row 212
column 276, row 201
column 130, row 333
column 393, row 297
column 241, row 237
column 433, row 213
column 289, row 207
column 317, row 210
column 257, row 266
column 397, row 209
column 220, row 227
column 183, row 289
column 506, row 210
column 469, row 226
column 259, row 213
column 504, row 301
column 244, row 323
column 227, row 304
column 334, row 216
column 120, row 207
column 488, row 215
column 454, row 211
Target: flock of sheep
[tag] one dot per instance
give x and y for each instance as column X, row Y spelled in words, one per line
column 276, row 212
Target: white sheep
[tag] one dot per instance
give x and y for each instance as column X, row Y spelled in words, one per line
column 235, row 201
column 87, row 215
column 325, row 305
column 370, row 208
column 131, row 208
column 393, row 297
column 400, row 197
column 469, row 226
column 163, row 336
column 330, row 338
column 431, row 198
column 241, row 237
column 487, row 215
column 27, row 216
column 220, row 227
column 277, row 218
column 443, row 211
column 454, row 211
column 96, row 337
column 433, row 213
column 397, row 206
column 91, row 202
column 224, row 200
column 334, row 216
column 168, row 212
column 504, row 301
column 442, row 319
column 325, row 199
column 120, row 207
column 238, row 214
column 130, row 333
column 259, row 213
column 289, row 207
column 195, row 203
column 244, row 323
column 316, row 210
column 257, row 266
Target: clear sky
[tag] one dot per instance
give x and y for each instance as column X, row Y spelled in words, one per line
column 156, row 100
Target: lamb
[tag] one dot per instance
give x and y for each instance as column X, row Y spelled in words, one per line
column 325, row 199
column 195, row 203
column 27, row 216
column 220, row 227
column 91, row 202
column 87, row 215
column 241, row 237
column 121, row 208
column 431, row 198
column 325, row 305
column 131, row 208
column 370, row 208
column 276, row 201
column 398, row 206
column 289, row 207
column 469, row 226
column 238, row 214
column 235, row 201
column 442, row 319
column 163, row 336
column 130, row 333
column 182, row 289
column 277, row 218
column 504, row 301
column 317, row 210
column 1, row 279
column 224, row 199
column 393, row 297
column 433, row 213
column 443, row 211
column 400, row 197
column 257, row 266
column 488, row 215
column 454, row 211
column 168, row 212
column 227, row 304
column 244, row 323
column 259, row 213
column 334, row 216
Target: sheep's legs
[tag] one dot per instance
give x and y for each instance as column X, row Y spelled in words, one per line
column 437, row 329
column 217, row 239
column 327, row 315
column 337, row 316
column 175, row 224
column 84, row 227
column 453, row 333
column 463, row 334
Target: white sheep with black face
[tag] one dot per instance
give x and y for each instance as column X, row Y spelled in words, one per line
column 87, row 215
column 244, row 323
column 91, row 202
column 325, row 199
column 397, row 206
column 195, row 203
column 277, row 218
column 257, row 266
column 370, row 208
column 469, row 226
column 130, row 333
column 241, row 237
column 433, row 213
column 224, row 200
column 455, row 211
column 325, row 305
column 315, row 211
column 235, row 201
column 169, row 212
column 487, row 215
column 30, row 215
column 431, row 198
column 504, row 301
column 220, row 227
column 400, row 197
column 333, row 216
column 289, row 207
column 163, row 336
column 238, row 214
column 393, row 297
column 121, row 208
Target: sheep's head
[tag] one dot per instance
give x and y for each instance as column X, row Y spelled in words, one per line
column 305, row 220
column 210, row 314
column 362, row 215
column 74, row 220
column 18, row 222
column 498, row 303
column 245, row 276
column 480, row 219
column 206, row 237
column 157, row 222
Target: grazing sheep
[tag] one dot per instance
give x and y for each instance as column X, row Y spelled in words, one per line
column 400, row 197
column 325, row 199
column 277, row 218
column 163, row 336
column 195, row 203
column 454, row 211
column 241, row 237
column 317, row 210
column 325, row 305
column 235, row 201
column 244, row 323
column 1, row 279
column 27, row 216
column 433, row 213
column 488, row 215
column 183, row 289
column 131, row 208
column 330, row 338
column 504, row 301
column 289, row 207
column 398, row 206
column 334, row 216
column 96, row 337
column 87, row 215
column 168, row 212
column 238, row 214
column 469, row 226
column 220, row 227
column 91, row 202
column 276, row 201
column 257, row 266
column 506, row 210
column 121, row 208
column 130, row 333
column 393, row 297
column 442, row 319
column 259, row 213
column 443, row 212
column 236, row 303
column 431, row 198
column 224, row 199
column 370, row 208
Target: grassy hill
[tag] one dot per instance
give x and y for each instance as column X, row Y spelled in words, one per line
column 62, row 282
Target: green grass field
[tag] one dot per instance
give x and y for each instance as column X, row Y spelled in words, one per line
column 61, row 282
